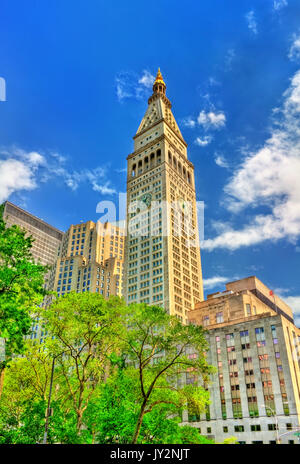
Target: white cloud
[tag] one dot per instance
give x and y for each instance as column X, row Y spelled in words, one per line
column 202, row 142
column 35, row 159
column 213, row 282
column 21, row 171
column 251, row 20
column 221, row 161
column 278, row 4
column 294, row 303
column 15, row 175
column 189, row 122
column 147, row 79
column 269, row 177
column 130, row 85
column 294, row 52
column 96, row 178
column 211, row 120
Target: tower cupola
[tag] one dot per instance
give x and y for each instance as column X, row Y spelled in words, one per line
column 159, row 86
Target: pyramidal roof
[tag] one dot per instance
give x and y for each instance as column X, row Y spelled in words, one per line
column 159, row 107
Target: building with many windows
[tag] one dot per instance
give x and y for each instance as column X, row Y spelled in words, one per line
column 47, row 238
column 90, row 259
column 255, row 393
column 162, row 253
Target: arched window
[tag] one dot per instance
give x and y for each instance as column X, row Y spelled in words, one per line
column 133, row 170
column 188, row 178
column 184, row 173
column 179, row 167
column 140, row 170
column 158, row 156
column 146, row 161
column 174, row 162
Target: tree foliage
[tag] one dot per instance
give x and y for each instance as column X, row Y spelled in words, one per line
column 21, row 288
column 119, row 376
column 84, row 329
column 163, row 350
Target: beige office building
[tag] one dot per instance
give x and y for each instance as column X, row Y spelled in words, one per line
column 90, row 259
column 254, row 344
column 47, row 238
column 162, row 253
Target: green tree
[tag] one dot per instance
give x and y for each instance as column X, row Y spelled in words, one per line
column 24, row 401
column 83, row 330
column 112, row 416
column 162, row 350
column 21, row 289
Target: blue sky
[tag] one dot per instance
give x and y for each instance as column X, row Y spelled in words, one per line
column 78, row 75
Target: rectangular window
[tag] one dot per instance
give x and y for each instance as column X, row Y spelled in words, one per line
column 219, row 318
column 205, row 321
column 255, row 428
column 239, row 428
column 272, row 427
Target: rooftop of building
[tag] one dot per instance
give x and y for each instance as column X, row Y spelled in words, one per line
column 252, row 289
column 11, row 208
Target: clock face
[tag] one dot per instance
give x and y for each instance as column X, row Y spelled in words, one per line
column 146, row 198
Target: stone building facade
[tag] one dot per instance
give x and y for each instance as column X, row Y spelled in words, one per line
column 162, row 256
column 254, row 344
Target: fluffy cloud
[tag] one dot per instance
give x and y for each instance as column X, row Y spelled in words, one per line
column 269, row 177
column 147, row 79
column 211, row 120
column 15, row 176
column 189, row 122
column 202, row 142
column 294, row 303
column 207, row 120
column 21, row 171
column 221, row 161
column 130, row 85
column 251, row 21
column 213, row 282
column 294, row 52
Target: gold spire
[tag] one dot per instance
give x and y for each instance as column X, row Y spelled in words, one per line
column 159, row 78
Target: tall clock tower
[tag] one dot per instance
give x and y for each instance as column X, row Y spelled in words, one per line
column 162, row 253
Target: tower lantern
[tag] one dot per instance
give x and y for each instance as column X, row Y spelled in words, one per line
column 159, row 86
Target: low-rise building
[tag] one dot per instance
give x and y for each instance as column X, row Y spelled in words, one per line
column 254, row 344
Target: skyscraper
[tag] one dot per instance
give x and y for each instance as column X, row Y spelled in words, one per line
column 90, row 259
column 47, row 238
column 162, row 252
